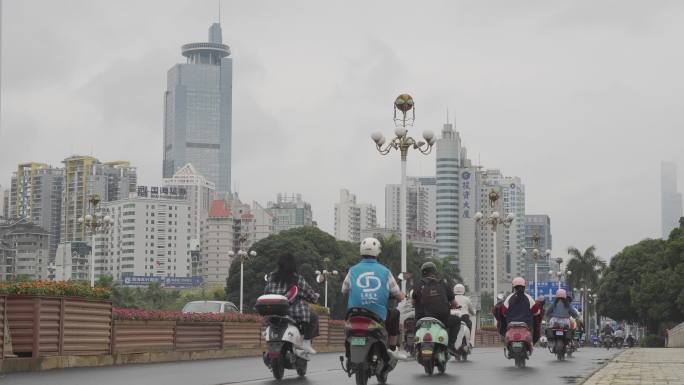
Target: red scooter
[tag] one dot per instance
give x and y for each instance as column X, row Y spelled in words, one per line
column 518, row 342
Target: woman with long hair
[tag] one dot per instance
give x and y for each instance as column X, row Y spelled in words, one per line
column 286, row 281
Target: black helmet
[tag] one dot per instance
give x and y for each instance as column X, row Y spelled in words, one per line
column 428, row 268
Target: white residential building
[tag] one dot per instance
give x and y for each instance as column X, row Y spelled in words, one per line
column 421, row 201
column 150, row 237
column 351, row 217
column 218, row 237
column 290, row 211
column 199, row 192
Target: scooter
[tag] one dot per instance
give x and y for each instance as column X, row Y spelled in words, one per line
column 283, row 337
column 432, row 345
column 463, row 345
column 518, row 343
column 607, row 341
column 559, row 341
column 407, row 319
column 366, row 352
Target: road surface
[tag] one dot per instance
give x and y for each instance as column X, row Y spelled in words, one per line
column 486, row 366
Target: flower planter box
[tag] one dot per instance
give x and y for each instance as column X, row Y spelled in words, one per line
column 242, row 334
column 199, row 336
column 47, row 326
column 336, row 335
column 143, row 336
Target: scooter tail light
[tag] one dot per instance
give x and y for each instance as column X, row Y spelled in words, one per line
column 427, row 337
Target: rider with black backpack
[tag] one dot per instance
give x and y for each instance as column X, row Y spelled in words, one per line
column 433, row 297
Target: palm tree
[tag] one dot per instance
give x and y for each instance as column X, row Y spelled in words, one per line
column 585, row 267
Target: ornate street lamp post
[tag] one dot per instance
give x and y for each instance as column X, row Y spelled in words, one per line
column 536, row 255
column 494, row 220
column 402, row 142
column 243, row 256
column 94, row 222
column 322, row 276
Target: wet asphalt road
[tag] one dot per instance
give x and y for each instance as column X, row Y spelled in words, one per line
column 485, row 366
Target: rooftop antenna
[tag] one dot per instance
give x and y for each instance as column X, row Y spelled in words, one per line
column 447, row 119
column 219, row 11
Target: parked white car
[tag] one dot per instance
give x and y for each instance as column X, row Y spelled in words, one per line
column 210, row 307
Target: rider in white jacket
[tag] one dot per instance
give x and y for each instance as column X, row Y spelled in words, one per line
column 466, row 305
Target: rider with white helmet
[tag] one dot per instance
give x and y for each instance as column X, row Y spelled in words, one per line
column 466, row 304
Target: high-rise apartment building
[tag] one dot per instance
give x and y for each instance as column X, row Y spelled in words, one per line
column 23, row 251
column 290, row 211
column 421, row 202
column 36, row 194
column 199, row 192
column 537, row 226
column 198, row 111
column 4, row 203
column 85, row 176
column 150, row 237
column 351, row 217
column 670, row 198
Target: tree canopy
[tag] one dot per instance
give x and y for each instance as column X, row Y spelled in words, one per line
column 644, row 283
column 310, row 246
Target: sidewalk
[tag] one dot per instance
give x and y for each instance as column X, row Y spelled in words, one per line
column 642, row 366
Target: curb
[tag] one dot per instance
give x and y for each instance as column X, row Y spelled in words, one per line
column 601, row 367
column 14, row 365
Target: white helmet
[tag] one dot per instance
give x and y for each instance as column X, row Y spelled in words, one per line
column 459, row 289
column 371, row 247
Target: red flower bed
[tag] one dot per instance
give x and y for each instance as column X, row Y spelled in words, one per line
column 157, row 315
column 335, row 322
column 54, row 289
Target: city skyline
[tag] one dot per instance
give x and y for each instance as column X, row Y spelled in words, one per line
column 554, row 140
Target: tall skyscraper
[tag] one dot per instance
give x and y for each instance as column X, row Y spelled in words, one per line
column 670, row 199
column 198, row 111
column 541, row 226
column 36, row 194
column 351, row 217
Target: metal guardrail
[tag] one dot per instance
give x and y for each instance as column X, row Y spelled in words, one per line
column 675, row 336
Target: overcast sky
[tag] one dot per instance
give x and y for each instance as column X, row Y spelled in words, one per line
column 581, row 99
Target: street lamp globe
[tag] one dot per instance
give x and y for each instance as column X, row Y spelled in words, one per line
column 108, row 219
column 523, row 252
column 548, row 251
column 428, row 135
column 253, row 253
column 376, row 136
column 231, row 253
column 535, row 252
column 510, row 217
column 80, row 220
column 88, row 217
column 400, row 131
column 478, row 216
column 496, row 215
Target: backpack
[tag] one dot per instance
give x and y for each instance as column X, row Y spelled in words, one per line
column 434, row 300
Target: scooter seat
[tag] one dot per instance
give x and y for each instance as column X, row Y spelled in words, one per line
column 430, row 319
column 517, row 325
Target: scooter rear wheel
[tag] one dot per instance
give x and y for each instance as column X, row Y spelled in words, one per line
column 278, row 368
column 301, row 367
column 382, row 378
column 362, row 374
column 429, row 367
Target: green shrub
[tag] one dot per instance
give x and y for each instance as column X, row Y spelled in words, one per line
column 652, row 341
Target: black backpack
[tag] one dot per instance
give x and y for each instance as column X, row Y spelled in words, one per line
column 433, row 298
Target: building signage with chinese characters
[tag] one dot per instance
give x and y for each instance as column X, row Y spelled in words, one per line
column 465, row 176
column 170, row 282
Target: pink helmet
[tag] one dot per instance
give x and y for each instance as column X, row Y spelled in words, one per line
column 561, row 293
column 518, row 281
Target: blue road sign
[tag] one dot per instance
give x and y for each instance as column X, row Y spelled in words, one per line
column 547, row 289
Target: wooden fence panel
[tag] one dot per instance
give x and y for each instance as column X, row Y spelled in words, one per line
column 143, row 336
column 242, row 334
column 199, row 336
